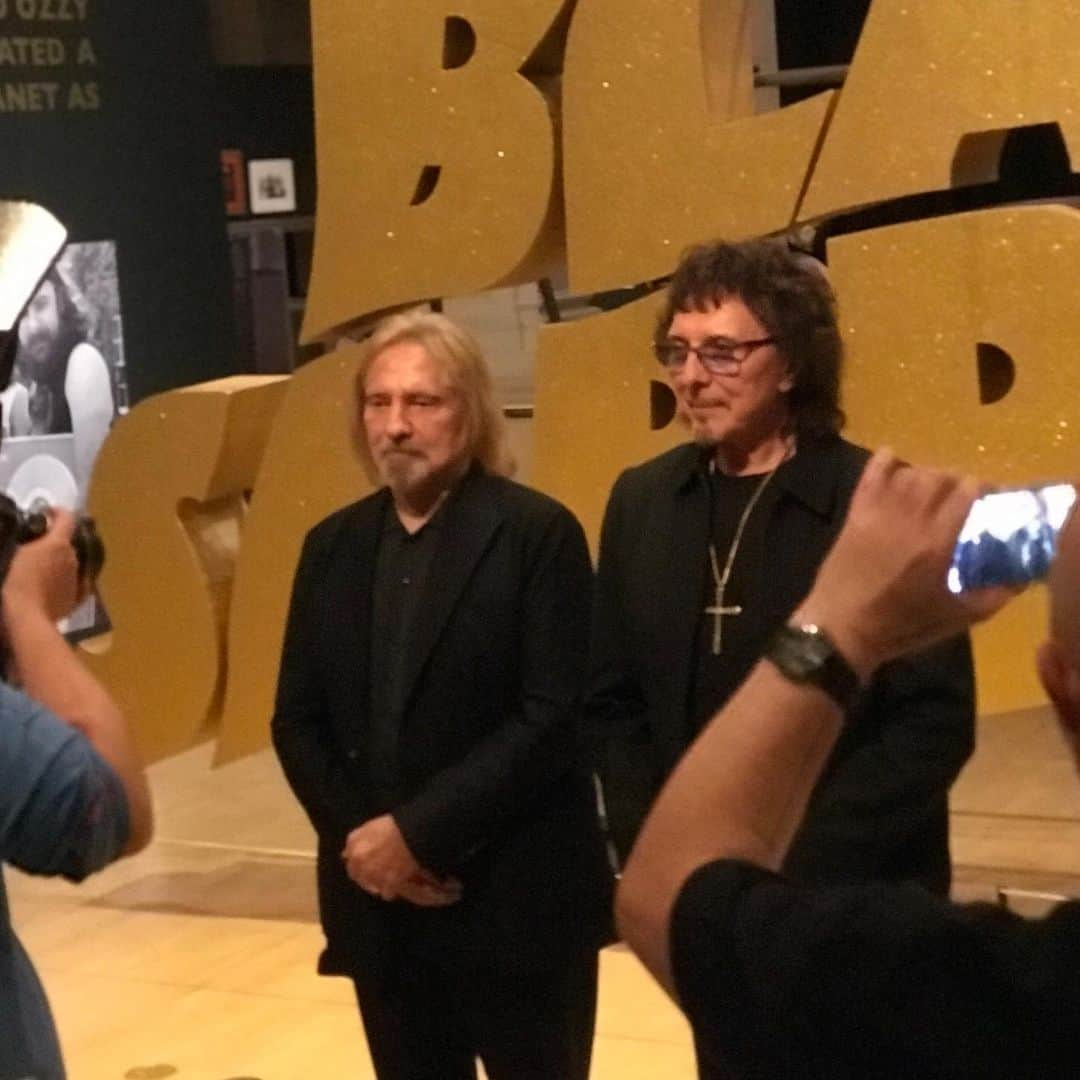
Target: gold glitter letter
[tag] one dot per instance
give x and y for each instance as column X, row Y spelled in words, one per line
column 961, row 335
column 660, row 149
column 583, row 441
column 308, row 471
column 436, row 154
column 167, row 494
column 932, row 91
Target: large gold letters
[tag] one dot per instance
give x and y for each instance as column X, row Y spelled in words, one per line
column 308, row 471
column 659, row 152
column 584, row 440
column 916, row 301
column 927, row 75
column 168, row 494
column 436, row 157
column 439, row 175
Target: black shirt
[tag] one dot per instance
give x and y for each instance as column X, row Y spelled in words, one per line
column 782, row 981
column 716, row 677
column 402, row 566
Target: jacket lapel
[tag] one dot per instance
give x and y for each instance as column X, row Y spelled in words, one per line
column 472, row 518
column 681, row 583
column 354, row 587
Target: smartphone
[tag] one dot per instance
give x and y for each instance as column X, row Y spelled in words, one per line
column 1010, row 537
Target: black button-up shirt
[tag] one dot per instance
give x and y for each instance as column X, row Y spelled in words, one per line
column 402, row 565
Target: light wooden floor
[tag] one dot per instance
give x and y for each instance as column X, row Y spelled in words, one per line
column 195, row 959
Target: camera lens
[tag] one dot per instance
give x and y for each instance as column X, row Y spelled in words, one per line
column 89, row 549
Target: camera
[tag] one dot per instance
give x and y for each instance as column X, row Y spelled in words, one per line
column 20, row 527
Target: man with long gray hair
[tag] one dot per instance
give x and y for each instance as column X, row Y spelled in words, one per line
column 427, row 719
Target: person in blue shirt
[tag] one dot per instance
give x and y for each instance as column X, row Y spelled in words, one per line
column 73, row 793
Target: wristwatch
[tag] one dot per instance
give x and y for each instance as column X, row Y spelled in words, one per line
column 804, row 654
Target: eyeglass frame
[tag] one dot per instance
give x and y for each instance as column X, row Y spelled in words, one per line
column 730, row 365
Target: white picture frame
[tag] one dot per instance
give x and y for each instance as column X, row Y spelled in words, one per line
column 272, row 186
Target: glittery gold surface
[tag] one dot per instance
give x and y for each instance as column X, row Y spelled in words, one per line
column 659, row 149
column 925, row 75
column 592, row 407
column 385, row 110
column 167, row 494
column 915, row 301
column 308, row 470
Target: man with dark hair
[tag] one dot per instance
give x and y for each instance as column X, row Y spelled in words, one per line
column 706, row 549
column 788, row 981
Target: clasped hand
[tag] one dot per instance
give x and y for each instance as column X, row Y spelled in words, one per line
column 379, row 861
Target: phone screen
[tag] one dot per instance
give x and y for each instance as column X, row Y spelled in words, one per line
column 1010, row 537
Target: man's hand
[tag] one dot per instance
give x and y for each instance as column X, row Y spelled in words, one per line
column 42, row 586
column 380, row 862
column 44, row 574
column 882, row 590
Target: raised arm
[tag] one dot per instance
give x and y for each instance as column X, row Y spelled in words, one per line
column 742, row 789
column 41, row 587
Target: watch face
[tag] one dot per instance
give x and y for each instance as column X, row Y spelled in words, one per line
column 816, row 648
column 805, row 650
column 805, row 654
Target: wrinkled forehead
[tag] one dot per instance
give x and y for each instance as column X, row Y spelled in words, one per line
column 408, row 364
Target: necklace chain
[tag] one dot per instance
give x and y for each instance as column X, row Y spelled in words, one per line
column 721, row 578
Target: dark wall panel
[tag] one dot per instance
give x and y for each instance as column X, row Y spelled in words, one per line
column 812, row 33
column 142, row 170
column 269, row 112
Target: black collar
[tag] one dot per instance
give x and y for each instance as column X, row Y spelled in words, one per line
column 809, row 475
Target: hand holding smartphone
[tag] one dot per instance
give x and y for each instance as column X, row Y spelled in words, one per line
column 1010, row 537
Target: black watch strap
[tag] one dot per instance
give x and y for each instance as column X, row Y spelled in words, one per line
column 804, row 654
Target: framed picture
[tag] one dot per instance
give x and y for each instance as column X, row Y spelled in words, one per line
column 234, row 182
column 69, row 383
column 272, row 184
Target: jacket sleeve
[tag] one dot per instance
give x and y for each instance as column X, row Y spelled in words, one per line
column 466, row 805
column 305, row 744
column 614, row 702
column 615, row 711
column 883, row 796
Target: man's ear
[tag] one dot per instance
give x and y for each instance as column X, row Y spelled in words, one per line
column 1062, row 684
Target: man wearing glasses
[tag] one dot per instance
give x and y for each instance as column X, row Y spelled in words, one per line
column 706, row 550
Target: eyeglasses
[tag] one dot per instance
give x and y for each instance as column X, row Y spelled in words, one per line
column 718, row 356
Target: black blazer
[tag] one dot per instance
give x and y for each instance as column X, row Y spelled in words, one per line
column 495, row 792
column 880, row 811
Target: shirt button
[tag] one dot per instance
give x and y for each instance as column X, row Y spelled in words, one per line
column 406, row 581
column 352, row 754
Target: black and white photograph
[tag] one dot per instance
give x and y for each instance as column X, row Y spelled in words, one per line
column 69, row 382
column 68, row 386
column 272, row 186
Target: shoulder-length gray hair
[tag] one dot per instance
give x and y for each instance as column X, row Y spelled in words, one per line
column 458, row 354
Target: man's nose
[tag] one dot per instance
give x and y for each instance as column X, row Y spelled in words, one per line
column 398, row 425
column 693, row 372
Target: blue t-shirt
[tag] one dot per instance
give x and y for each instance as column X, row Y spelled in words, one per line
column 62, row 812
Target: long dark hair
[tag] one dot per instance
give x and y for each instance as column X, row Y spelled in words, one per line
column 73, row 326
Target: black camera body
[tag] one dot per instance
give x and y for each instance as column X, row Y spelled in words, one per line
column 21, row 527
